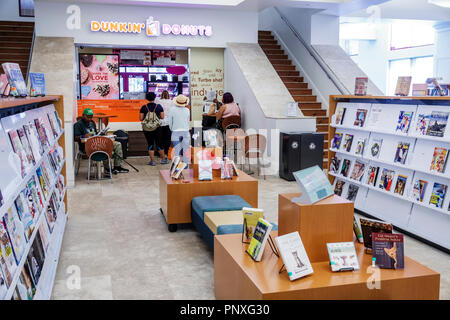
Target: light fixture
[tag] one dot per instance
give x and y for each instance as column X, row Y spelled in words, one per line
column 440, row 3
column 197, row 2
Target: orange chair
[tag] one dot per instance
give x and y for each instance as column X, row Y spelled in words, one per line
column 99, row 149
column 255, row 146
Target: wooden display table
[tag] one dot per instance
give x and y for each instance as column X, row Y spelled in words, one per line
column 237, row 276
column 329, row 220
column 175, row 196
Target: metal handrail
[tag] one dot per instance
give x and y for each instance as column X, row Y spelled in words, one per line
column 330, row 74
column 31, row 54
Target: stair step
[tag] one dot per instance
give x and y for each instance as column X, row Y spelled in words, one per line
column 15, row 45
column 16, row 23
column 270, row 46
column 16, row 28
column 277, row 62
column 261, row 42
column 265, row 37
column 21, row 34
column 283, row 67
column 293, row 73
column 322, row 120
column 289, row 79
column 14, row 56
column 310, row 105
column 264, row 32
column 276, row 56
column 296, row 85
column 273, row 51
column 303, row 92
column 322, row 128
column 15, row 39
column 304, row 98
column 313, row 112
column 12, row 51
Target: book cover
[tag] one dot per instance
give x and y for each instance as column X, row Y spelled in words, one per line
column 387, row 249
column 204, row 170
column 402, row 152
column 3, row 285
column 340, row 113
column 387, row 176
column 44, row 235
column 179, row 169
column 375, row 148
column 438, row 194
column 15, row 79
column 372, row 175
column 339, row 187
column 337, row 140
column 50, row 215
column 24, row 213
column 439, row 160
column 210, row 138
column 259, row 239
column 361, row 86
column 335, row 164
column 358, row 170
column 404, row 121
column 33, row 139
column 26, row 285
column 42, row 133
column 294, row 255
column 20, row 151
column 174, row 164
column 26, row 146
column 3, row 84
column 37, row 86
column 419, row 189
column 15, row 230
column 4, row 268
column 420, row 89
column 422, row 124
column 52, row 125
column 352, row 192
column 357, row 230
column 345, row 167
column 369, row 226
column 342, row 256
column 348, row 142
column 226, row 169
column 42, row 183
column 359, row 150
column 36, row 195
column 437, row 124
column 400, row 185
column 7, row 249
column 360, row 117
column 251, row 217
column 403, row 85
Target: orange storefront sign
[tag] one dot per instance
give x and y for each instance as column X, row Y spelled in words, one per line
column 125, row 110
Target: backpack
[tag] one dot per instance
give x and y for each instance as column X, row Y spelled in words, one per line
column 151, row 121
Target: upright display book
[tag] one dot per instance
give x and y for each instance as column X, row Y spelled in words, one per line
column 259, row 239
column 361, row 86
column 352, row 192
column 438, row 194
column 15, row 231
column 15, row 79
column 335, row 164
column 359, row 150
column 422, row 124
column 179, row 169
column 388, row 250
column 25, row 214
column 226, row 169
column 375, row 148
column 372, row 175
column 174, row 164
column 437, row 124
column 402, row 152
column 357, row 230
column 387, row 177
column 294, row 255
column 348, row 142
column 314, row 185
column 403, row 86
column 37, row 84
column 419, row 190
column 205, row 170
column 251, row 217
column 339, row 186
column 400, row 185
column 358, row 170
column 339, row 115
column 337, row 140
column 20, row 151
column 3, row 84
column 404, row 121
column 360, row 117
column 439, row 160
column 26, row 146
column 343, row 256
column 345, row 167
column 369, row 226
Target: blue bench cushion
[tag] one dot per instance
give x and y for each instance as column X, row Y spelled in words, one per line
column 200, row 205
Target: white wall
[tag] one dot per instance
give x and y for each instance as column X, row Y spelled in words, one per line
column 442, row 57
column 324, row 29
column 9, row 11
column 228, row 26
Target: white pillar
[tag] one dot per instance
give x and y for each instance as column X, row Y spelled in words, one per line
column 442, row 56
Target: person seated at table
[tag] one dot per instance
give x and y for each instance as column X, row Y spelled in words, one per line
column 228, row 109
column 85, row 128
column 212, row 105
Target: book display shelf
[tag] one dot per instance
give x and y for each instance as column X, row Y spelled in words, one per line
column 33, row 199
column 389, row 156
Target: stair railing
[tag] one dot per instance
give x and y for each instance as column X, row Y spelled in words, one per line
column 328, row 71
column 31, row 54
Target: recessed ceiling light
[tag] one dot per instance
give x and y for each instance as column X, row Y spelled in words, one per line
column 201, row 2
column 440, row 3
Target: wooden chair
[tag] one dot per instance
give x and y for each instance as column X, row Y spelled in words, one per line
column 255, row 146
column 99, row 149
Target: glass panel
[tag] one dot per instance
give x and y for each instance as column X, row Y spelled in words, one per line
column 407, row 34
column 136, row 84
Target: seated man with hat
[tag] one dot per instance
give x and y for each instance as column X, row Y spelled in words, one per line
column 85, row 128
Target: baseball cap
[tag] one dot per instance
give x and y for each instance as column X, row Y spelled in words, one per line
column 88, row 112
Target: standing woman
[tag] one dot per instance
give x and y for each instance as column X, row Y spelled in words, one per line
column 150, row 116
column 179, row 118
column 166, row 134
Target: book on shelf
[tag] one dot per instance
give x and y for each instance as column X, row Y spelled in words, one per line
column 402, row 152
column 15, row 79
column 400, row 185
column 372, row 175
column 359, row 150
column 3, row 285
column 345, row 167
column 403, row 86
column 26, row 146
column 420, row 89
column 251, row 217
column 26, row 285
column 375, row 116
column 438, row 194
column 437, row 123
column 25, row 213
column 339, row 115
column 358, row 170
column 348, row 142
column 50, row 215
column 294, row 255
column 352, row 192
column 375, row 148
column 3, row 85
column 4, row 268
column 387, row 250
column 44, row 235
column 357, row 230
column 361, row 86
column 360, row 117
column 404, row 121
column 15, row 230
column 179, row 169
column 43, row 183
column 439, row 161
column 35, row 259
column 52, row 122
column 342, row 256
column 422, row 122
column 42, row 133
column 205, row 170
column 7, row 249
column 339, row 186
column 336, row 143
column 387, row 177
column 33, row 139
column 419, row 189
column 335, row 163
column 37, row 84
column 19, row 151
column 259, row 239
column 369, row 226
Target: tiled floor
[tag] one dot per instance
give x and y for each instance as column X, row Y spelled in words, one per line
column 118, row 240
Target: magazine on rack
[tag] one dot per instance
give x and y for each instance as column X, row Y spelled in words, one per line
column 26, row 146
column 422, row 124
column 437, row 124
column 402, row 152
column 335, row 164
column 25, row 214
column 360, row 146
column 352, row 192
column 404, row 121
column 345, row 167
column 339, row 115
column 339, row 187
column 15, row 79
column 372, row 175
column 439, row 160
column 336, row 143
column 438, row 194
column 360, row 117
column 400, row 185
column 387, row 177
column 358, row 170
column 348, row 142
column 15, row 230
column 251, row 217
column 419, row 189
column 20, row 152
column 375, row 148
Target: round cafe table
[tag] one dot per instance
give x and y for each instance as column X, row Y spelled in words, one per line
column 102, row 118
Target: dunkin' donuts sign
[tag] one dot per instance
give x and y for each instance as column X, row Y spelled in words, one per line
column 151, row 28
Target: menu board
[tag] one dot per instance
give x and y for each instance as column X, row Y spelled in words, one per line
column 99, row 76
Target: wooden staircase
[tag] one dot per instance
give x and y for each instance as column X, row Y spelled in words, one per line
column 16, row 38
column 299, row 90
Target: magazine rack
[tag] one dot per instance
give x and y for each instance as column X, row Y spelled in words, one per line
column 380, row 128
column 13, row 181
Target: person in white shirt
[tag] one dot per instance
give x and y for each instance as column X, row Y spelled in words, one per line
column 165, row 132
column 179, row 119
